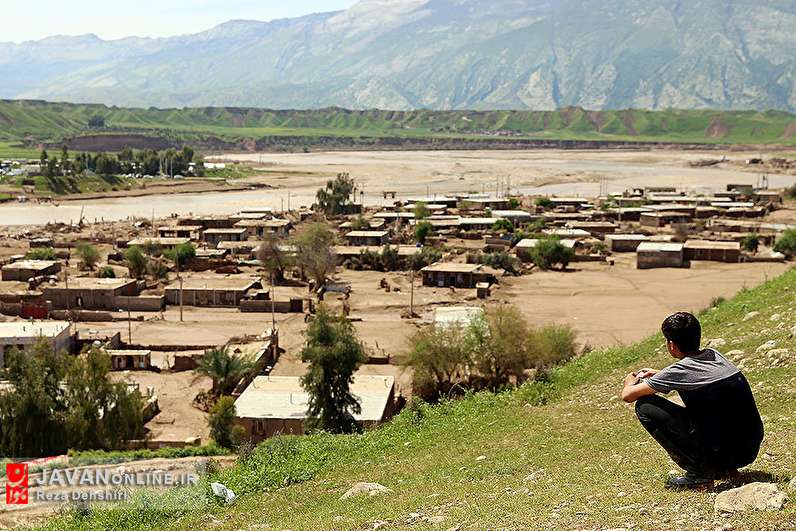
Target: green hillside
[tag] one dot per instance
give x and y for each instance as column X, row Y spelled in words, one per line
column 31, row 122
column 563, row 454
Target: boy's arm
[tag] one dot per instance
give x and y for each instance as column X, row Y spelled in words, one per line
column 634, row 388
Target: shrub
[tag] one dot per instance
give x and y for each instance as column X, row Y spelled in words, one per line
column 106, row 272
column 514, row 203
column 41, row 253
column 181, row 254
column 751, row 243
column 360, row 223
column 503, row 226
column 422, row 231
column 426, row 257
column 550, row 345
column 544, row 202
column 89, row 255
column 438, row 354
column 549, row 252
column 787, row 243
column 136, row 261
column 222, row 423
column 501, row 260
column 421, row 211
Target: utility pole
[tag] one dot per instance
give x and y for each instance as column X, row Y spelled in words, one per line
column 273, row 304
column 179, row 277
column 412, row 292
column 129, row 324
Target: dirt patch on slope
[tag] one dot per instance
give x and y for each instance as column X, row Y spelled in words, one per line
column 630, row 123
column 790, row 131
column 717, row 128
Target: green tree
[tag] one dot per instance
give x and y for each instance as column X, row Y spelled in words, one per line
column 550, row 251
column 136, row 261
column 315, row 254
column 273, row 257
column 786, row 244
column 422, row 231
column 421, row 210
column 181, row 254
column 334, row 353
column 89, row 255
column 335, row 197
column 544, row 202
column 222, row 422
column 223, row 368
column 439, row 355
column 58, row 402
column 498, row 345
column 100, row 414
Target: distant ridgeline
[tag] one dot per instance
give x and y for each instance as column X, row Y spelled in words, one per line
column 100, row 128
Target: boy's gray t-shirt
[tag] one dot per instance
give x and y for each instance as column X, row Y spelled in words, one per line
column 693, row 372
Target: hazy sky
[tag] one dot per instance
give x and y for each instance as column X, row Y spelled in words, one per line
column 22, row 20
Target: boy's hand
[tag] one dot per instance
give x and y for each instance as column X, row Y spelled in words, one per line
column 646, row 373
column 631, row 379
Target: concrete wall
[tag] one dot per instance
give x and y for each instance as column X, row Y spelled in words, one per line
column 146, row 303
column 651, row 260
column 221, row 298
column 265, row 306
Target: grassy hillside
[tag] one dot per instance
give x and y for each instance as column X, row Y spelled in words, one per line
column 36, row 121
column 560, row 454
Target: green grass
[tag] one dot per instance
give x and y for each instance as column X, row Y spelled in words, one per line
column 52, row 122
column 563, row 454
column 13, row 150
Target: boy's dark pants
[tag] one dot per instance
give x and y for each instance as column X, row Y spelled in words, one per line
column 679, row 434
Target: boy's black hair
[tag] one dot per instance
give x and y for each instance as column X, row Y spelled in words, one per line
column 684, row 330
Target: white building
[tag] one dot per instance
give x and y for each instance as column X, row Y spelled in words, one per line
column 22, row 334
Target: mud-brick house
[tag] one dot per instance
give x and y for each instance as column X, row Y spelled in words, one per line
column 273, row 405
column 130, row 360
column 714, row 251
column 93, row 294
column 367, row 238
column 23, row 334
column 659, row 254
column 624, row 243
column 214, row 236
column 223, row 292
column 453, row 274
column 24, row 270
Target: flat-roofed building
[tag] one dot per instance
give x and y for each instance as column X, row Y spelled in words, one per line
column 659, row 254
column 192, row 232
column 448, row 202
column 214, row 236
column 258, row 228
column 661, row 219
column 272, row 405
column 595, row 228
column 715, row 251
column 477, row 223
column 221, row 292
column 624, row 243
column 88, row 293
column 393, row 217
column 130, row 360
column 445, row 316
column 22, row 334
column 454, row 274
column 578, row 203
column 375, row 238
column 24, row 270
column 517, row 217
column 481, row 203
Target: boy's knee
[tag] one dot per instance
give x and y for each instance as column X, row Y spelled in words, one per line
column 646, row 409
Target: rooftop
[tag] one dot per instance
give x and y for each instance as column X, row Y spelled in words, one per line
column 457, row 267
column 225, row 231
column 32, row 329
column 159, row 241
column 214, row 283
column 626, row 237
column 461, row 315
column 35, row 265
column 282, row 397
column 705, row 244
column 656, row 247
column 367, row 234
column 83, row 283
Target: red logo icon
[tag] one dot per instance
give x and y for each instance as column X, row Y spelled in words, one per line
column 16, row 484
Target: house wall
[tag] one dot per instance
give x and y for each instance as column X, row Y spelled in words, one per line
column 713, row 255
column 651, row 260
column 222, row 298
column 23, row 275
column 148, row 303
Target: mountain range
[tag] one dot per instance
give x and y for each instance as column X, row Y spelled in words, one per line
column 439, row 54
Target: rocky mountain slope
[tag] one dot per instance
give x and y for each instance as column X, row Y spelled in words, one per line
column 440, row 54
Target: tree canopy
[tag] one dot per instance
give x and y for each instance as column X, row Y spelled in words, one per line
column 335, row 197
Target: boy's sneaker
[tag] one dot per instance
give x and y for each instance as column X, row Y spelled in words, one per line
column 689, row 481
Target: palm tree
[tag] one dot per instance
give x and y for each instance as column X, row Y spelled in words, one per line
column 225, row 369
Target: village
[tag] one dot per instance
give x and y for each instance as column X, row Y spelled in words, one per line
column 157, row 294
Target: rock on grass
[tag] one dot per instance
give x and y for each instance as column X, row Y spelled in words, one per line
column 754, row 496
column 371, row 489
